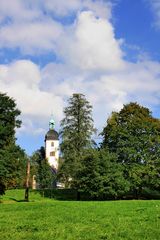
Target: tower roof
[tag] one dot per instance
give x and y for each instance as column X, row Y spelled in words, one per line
column 51, row 135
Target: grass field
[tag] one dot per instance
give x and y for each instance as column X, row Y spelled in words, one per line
column 48, row 219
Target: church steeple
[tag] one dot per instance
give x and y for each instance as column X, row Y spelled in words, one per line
column 51, row 123
column 52, row 145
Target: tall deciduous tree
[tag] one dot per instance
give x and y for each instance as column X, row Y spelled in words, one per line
column 134, row 135
column 76, row 132
column 8, row 150
column 101, row 176
column 13, row 162
column 8, row 120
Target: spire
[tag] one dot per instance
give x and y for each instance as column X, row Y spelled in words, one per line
column 51, row 123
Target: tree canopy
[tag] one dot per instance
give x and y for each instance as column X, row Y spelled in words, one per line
column 134, row 135
column 8, row 120
column 101, row 176
column 76, row 132
column 45, row 177
column 11, row 156
column 127, row 162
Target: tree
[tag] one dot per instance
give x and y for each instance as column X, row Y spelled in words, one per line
column 134, row 135
column 45, row 175
column 26, row 196
column 101, row 176
column 8, row 120
column 76, row 132
column 13, row 166
column 8, row 123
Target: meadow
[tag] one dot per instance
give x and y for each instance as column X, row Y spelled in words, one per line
column 45, row 219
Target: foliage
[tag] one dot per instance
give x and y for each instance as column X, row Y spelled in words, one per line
column 101, row 175
column 45, row 175
column 8, row 120
column 76, row 131
column 134, row 135
column 11, row 156
column 14, row 166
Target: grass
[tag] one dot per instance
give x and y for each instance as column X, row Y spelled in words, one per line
column 45, row 219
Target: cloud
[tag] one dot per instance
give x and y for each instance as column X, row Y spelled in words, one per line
column 31, row 26
column 30, row 38
column 31, row 127
column 155, row 6
column 17, row 10
column 41, row 91
column 32, row 10
column 91, row 61
column 21, row 80
column 63, row 8
column 91, row 45
column 107, row 92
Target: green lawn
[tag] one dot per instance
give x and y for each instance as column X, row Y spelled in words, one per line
column 48, row 219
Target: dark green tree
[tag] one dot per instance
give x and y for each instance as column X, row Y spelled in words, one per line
column 45, row 175
column 8, row 120
column 76, row 132
column 101, row 176
column 14, row 164
column 8, row 123
column 134, row 135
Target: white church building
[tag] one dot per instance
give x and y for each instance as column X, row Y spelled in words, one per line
column 51, row 152
column 52, row 146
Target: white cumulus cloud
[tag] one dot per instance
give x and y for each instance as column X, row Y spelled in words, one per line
column 21, row 80
column 30, row 37
column 100, row 8
column 91, row 45
column 31, row 25
column 91, row 61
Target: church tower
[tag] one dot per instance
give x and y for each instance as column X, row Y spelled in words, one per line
column 52, row 146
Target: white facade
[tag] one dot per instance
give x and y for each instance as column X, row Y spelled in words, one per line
column 52, row 152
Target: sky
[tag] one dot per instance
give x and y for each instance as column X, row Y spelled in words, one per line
column 107, row 50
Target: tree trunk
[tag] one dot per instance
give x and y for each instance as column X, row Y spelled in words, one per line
column 27, row 182
column 78, row 196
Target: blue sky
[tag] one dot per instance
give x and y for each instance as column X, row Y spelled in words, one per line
column 136, row 23
column 107, row 50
